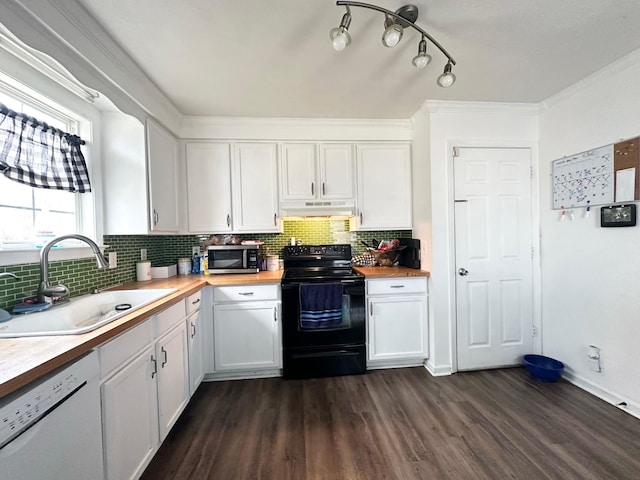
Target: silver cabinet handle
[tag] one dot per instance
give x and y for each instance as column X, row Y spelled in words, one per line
column 360, row 217
column 275, row 219
column 155, row 367
column 275, row 314
column 312, row 189
column 397, row 286
column 245, row 293
column 164, row 354
column 323, row 190
column 155, row 217
column 371, row 309
column 228, row 220
column 463, row 272
column 196, row 301
column 193, row 330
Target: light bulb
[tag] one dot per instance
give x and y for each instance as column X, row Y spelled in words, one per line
column 392, row 35
column 421, row 60
column 447, row 78
column 340, row 38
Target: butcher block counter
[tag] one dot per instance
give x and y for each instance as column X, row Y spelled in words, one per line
column 23, row 360
column 391, row 272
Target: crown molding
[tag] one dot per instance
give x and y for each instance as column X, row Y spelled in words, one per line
column 440, row 106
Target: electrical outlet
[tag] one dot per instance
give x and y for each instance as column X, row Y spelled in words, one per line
column 113, row 259
column 595, row 358
column 195, row 251
column 143, row 254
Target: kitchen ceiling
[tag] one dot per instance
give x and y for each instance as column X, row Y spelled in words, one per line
column 273, row 58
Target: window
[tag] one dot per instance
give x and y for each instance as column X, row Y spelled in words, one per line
column 29, row 217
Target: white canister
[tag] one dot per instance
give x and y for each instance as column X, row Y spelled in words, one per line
column 143, row 270
column 184, row 266
column 272, row 263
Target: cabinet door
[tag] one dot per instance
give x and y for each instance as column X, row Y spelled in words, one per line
column 209, row 187
column 196, row 352
column 162, row 161
column 255, row 199
column 173, row 377
column 397, row 327
column 130, row 418
column 246, row 336
column 298, row 171
column 337, row 168
column 384, row 187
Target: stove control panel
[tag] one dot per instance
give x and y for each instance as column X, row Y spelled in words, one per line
column 340, row 251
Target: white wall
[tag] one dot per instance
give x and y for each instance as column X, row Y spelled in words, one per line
column 591, row 275
column 460, row 124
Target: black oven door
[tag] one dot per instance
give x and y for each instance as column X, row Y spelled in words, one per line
column 304, row 330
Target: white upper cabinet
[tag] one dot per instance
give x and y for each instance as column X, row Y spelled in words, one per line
column 232, row 187
column 255, row 188
column 384, row 186
column 298, row 171
column 313, row 172
column 162, row 160
column 139, row 176
column 337, row 180
column 209, row 187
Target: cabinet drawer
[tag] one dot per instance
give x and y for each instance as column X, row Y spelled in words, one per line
column 246, row 293
column 123, row 347
column 193, row 302
column 169, row 318
column 396, row 286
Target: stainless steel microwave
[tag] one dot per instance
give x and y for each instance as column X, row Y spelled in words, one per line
column 233, row 259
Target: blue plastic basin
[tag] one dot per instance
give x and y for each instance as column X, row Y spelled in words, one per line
column 543, row 368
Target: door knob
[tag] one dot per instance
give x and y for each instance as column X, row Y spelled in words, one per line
column 463, row 272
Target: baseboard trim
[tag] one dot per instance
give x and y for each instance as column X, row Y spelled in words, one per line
column 632, row 408
column 438, row 371
column 241, row 375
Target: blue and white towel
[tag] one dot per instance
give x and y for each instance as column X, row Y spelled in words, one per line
column 320, row 305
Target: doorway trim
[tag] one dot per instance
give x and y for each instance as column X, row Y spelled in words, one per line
column 535, row 233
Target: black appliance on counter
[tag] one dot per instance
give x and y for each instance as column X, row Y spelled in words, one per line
column 410, row 255
column 323, row 312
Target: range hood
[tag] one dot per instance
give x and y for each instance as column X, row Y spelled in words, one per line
column 318, row 209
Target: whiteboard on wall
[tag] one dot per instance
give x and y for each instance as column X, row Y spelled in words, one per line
column 584, row 179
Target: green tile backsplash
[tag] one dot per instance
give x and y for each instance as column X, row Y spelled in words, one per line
column 82, row 276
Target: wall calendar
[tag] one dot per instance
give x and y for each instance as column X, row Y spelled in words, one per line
column 584, row 179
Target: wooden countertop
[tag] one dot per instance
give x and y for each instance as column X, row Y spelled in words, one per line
column 23, row 360
column 391, row 272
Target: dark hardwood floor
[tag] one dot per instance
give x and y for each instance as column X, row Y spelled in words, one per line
column 399, row 424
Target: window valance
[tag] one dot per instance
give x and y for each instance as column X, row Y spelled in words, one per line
column 36, row 154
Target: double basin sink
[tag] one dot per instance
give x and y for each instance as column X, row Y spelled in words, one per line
column 81, row 314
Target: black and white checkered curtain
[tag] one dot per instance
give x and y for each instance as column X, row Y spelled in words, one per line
column 33, row 153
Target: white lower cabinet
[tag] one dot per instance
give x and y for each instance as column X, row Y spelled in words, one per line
column 397, row 321
column 196, row 343
column 130, row 418
column 173, row 377
column 246, row 332
column 144, row 389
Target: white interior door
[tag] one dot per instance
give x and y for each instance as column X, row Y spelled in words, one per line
column 494, row 266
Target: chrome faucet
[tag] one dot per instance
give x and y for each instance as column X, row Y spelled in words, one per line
column 46, row 292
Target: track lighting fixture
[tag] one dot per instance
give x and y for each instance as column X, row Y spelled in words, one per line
column 340, row 38
column 394, row 25
column 392, row 32
column 447, row 78
column 422, row 59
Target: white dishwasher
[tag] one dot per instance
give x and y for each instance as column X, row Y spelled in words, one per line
column 52, row 428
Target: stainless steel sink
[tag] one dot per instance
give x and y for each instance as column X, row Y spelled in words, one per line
column 81, row 314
